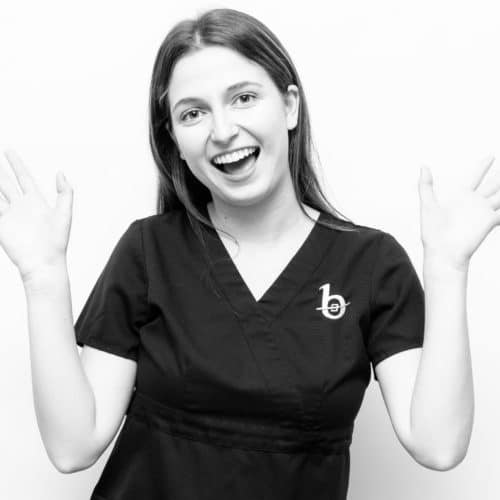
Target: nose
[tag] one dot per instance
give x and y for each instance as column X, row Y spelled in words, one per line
column 223, row 128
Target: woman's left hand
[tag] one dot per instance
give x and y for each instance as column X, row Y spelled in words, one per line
column 452, row 232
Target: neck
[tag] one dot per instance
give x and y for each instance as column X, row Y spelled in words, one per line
column 265, row 222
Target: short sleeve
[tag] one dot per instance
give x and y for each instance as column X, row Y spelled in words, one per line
column 117, row 307
column 397, row 303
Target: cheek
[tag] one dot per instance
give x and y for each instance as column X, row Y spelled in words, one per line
column 191, row 142
column 271, row 126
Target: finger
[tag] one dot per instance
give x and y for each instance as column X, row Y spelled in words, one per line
column 64, row 201
column 496, row 218
column 23, row 175
column 484, row 166
column 3, row 206
column 8, row 188
column 489, row 190
column 425, row 186
column 494, row 201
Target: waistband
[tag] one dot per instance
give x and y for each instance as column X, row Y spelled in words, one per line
column 238, row 432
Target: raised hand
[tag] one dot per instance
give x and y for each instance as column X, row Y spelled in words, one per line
column 452, row 232
column 33, row 234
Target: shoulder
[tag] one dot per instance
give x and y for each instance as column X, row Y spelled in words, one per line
column 172, row 218
column 166, row 234
column 353, row 235
column 361, row 245
column 171, row 225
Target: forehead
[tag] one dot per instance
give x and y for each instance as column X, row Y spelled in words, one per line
column 211, row 70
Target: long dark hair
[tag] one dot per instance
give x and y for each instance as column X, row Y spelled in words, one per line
column 178, row 187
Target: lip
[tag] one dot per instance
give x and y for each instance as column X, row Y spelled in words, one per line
column 231, row 151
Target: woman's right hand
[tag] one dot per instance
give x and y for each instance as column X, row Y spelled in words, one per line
column 33, row 234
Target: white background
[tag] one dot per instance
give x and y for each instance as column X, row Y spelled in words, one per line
column 391, row 85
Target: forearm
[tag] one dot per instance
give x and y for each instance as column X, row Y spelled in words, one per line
column 63, row 398
column 442, row 408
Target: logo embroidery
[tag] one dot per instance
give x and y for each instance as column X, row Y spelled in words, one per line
column 335, row 310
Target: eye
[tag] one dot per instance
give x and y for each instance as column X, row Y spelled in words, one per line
column 249, row 98
column 190, row 113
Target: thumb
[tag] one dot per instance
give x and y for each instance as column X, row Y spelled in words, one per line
column 64, row 200
column 426, row 186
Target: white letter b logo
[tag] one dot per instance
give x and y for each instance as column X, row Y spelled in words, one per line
column 332, row 306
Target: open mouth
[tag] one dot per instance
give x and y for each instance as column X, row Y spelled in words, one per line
column 238, row 165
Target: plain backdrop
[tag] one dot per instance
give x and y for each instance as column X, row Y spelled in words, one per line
column 391, row 85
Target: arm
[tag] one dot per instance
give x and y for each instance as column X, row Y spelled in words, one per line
column 63, row 398
column 429, row 392
column 35, row 237
column 442, row 405
column 79, row 402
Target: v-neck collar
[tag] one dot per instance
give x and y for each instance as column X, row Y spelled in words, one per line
column 288, row 283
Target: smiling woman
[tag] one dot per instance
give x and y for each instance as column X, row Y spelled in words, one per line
column 254, row 395
column 221, row 83
column 249, row 369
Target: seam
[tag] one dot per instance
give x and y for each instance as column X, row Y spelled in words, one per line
column 341, row 447
column 144, row 265
column 370, row 302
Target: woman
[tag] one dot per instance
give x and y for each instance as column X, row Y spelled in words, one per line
column 246, row 313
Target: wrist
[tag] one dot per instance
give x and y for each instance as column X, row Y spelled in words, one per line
column 45, row 275
column 439, row 264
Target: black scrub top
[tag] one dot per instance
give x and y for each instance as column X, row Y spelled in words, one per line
column 241, row 399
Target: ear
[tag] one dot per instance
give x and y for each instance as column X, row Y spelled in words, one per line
column 292, row 102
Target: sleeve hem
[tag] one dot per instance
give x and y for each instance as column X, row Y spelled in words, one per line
column 102, row 346
column 387, row 354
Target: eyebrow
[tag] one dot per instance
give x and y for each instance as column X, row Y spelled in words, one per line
column 231, row 88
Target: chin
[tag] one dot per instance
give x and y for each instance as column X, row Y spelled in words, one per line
column 254, row 195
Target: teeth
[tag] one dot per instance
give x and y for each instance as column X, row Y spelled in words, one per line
column 231, row 157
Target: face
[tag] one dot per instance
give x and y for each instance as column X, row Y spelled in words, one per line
column 221, row 102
